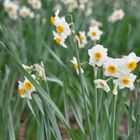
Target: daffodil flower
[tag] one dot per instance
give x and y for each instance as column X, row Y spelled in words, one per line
column 94, row 33
column 102, row 84
column 98, row 55
column 26, row 88
column 116, row 15
column 40, row 71
column 75, row 64
column 125, row 80
column 59, row 39
column 130, row 62
column 111, row 67
column 82, row 38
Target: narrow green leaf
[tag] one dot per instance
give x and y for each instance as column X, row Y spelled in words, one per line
column 39, row 103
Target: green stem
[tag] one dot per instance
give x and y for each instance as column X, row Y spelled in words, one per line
column 96, row 109
column 113, row 124
column 84, row 93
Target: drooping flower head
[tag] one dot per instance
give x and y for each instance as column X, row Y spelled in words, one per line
column 39, row 68
column 75, row 64
column 82, row 38
column 102, row 84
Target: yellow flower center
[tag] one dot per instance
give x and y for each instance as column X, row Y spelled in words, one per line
column 60, row 29
column 102, row 84
column 22, row 91
column 98, row 56
column 111, row 69
column 132, row 65
column 52, row 20
column 28, row 85
column 94, row 34
column 81, row 38
column 125, row 81
column 58, row 40
column 75, row 66
column 40, row 73
column 118, row 14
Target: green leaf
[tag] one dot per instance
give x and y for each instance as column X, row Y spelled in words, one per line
column 10, row 127
column 39, row 103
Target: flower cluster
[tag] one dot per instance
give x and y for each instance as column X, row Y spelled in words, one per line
column 37, row 71
column 14, row 10
column 119, row 69
column 26, row 88
column 11, row 8
column 62, row 29
column 116, row 15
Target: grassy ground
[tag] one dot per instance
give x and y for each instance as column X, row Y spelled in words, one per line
column 64, row 94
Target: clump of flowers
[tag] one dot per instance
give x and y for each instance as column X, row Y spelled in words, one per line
column 11, row 8
column 116, row 15
column 119, row 69
column 37, row 69
column 62, row 29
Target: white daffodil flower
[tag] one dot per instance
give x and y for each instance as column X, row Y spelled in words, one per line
column 22, row 91
column 75, row 64
column 116, row 15
column 40, row 71
column 62, row 27
column 11, row 8
column 94, row 33
column 55, row 18
column 36, row 4
column 25, row 12
column 83, row 39
column 98, row 55
column 130, row 62
column 125, row 80
column 111, row 67
column 102, row 84
column 59, row 39
column 28, row 85
column 95, row 23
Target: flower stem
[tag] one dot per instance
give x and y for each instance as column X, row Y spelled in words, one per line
column 96, row 109
column 113, row 117
column 84, row 93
